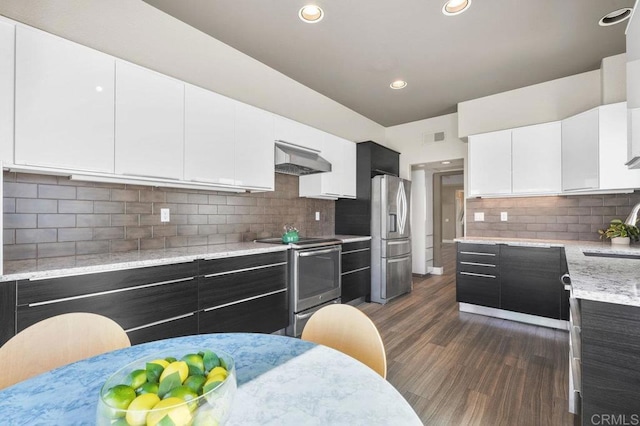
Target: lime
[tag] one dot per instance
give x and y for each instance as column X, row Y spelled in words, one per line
column 137, row 411
column 217, row 371
column 195, row 363
column 147, row 388
column 119, row 396
column 173, row 408
column 180, row 367
column 170, row 359
column 195, row 383
column 184, row 393
column 136, row 378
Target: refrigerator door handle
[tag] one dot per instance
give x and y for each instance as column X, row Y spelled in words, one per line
column 401, row 200
column 393, row 220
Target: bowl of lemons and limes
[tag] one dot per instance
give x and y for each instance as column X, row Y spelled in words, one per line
column 173, row 388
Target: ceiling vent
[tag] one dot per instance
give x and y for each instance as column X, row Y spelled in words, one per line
column 434, row 137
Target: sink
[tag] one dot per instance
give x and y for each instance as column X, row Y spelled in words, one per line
column 614, row 255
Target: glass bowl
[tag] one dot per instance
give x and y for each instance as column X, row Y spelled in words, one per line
column 210, row 406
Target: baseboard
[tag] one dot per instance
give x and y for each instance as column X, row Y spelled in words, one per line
column 439, row 270
column 514, row 316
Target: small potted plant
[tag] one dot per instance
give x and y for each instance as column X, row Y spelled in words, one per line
column 619, row 232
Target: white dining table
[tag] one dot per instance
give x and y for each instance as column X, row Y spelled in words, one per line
column 281, row 381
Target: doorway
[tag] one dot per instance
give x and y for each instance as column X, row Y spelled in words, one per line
column 448, row 212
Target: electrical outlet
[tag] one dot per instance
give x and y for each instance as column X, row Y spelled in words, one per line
column 503, row 216
column 317, row 215
column 164, row 215
column 478, row 217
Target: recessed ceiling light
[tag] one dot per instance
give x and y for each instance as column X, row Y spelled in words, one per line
column 446, row 162
column 454, row 7
column 398, row 84
column 311, row 14
column 615, row 17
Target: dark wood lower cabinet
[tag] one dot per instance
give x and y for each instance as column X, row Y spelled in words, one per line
column 355, row 270
column 7, row 311
column 484, row 291
column 173, row 328
column 610, row 359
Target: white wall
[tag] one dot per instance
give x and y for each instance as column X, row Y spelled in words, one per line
column 422, row 221
column 137, row 32
column 549, row 101
column 409, row 140
column 614, row 79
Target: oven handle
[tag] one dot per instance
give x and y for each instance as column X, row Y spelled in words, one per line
column 315, row 252
column 304, row 316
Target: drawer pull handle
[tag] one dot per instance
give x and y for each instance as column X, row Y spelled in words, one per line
column 235, row 271
column 356, row 270
column 356, row 251
column 477, row 253
column 478, row 264
column 235, row 302
column 477, row 275
column 151, row 324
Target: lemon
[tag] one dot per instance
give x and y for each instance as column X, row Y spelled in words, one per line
column 185, row 394
column 195, row 363
column 195, row 383
column 137, row 411
column 217, row 371
column 161, row 362
column 147, row 388
column 136, row 378
column 174, row 408
column 119, row 397
column 180, row 367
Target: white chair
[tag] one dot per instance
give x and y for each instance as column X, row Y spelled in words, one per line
column 57, row 341
column 348, row 330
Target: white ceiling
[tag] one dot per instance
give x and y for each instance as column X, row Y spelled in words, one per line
column 354, row 53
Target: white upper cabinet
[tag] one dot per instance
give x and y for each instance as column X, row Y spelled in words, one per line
column 633, row 90
column 209, row 137
column 149, row 123
column 490, row 163
column 580, row 152
column 254, row 149
column 7, row 66
column 340, row 182
column 292, row 132
column 612, row 149
column 64, row 103
column 536, row 159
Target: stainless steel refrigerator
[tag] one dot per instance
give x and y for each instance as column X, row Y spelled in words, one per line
column 390, row 238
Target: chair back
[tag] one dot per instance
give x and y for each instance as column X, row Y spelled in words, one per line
column 349, row 330
column 57, row 341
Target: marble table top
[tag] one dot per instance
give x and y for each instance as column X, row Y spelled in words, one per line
column 602, row 279
column 281, row 381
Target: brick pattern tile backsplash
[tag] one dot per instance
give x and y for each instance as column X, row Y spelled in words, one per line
column 49, row 216
column 575, row 217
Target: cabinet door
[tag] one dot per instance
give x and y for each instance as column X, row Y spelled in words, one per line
column 7, row 67
column 490, row 163
column 64, row 104
column 349, row 169
column 580, row 151
column 209, row 137
column 291, row 131
column 614, row 174
column 254, row 159
column 149, row 123
column 536, row 154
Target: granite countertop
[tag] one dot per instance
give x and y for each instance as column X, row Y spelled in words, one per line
column 77, row 265
column 603, row 279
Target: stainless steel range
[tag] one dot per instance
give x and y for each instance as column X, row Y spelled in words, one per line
column 314, row 278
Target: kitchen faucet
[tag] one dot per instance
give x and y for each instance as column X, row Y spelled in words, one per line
column 633, row 216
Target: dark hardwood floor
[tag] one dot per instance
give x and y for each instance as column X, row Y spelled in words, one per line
column 463, row 369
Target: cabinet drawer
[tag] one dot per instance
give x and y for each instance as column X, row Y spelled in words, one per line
column 175, row 327
column 43, row 290
column 356, row 284
column 358, row 245
column 234, row 286
column 264, row 314
column 478, row 268
column 478, row 253
column 240, row 263
column 356, row 259
column 478, row 290
column 130, row 308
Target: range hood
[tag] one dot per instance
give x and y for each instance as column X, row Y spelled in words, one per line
column 292, row 159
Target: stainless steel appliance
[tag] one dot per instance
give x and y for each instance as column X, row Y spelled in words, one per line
column 314, row 278
column 390, row 238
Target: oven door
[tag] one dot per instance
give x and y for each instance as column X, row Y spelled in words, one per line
column 315, row 276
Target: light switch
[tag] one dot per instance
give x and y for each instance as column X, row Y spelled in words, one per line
column 503, row 216
column 164, row 215
column 478, row 217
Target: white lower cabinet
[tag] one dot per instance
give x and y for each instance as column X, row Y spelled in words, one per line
column 149, row 133
column 7, row 67
column 536, row 159
column 340, row 181
column 254, row 148
column 209, row 137
column 64, row 98
column 490, row 163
